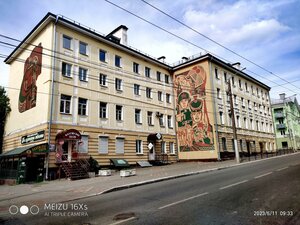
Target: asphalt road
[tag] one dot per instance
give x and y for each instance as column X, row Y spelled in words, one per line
column 263, row 192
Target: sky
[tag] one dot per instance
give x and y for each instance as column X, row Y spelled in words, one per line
column 263, row 35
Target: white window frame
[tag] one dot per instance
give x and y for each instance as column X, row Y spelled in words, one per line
column 83, row 74
column 103, row 79
column 148, row 92
column 221, row 114
column 135, row 67
column 105, row 54
column 170, row 121
column 103, row 114
column 119, row 113
column 136, row 89
column 163, row 147
column 119, row 84
column 82, row 107
column 64, row 45
column 172, row 148
column 67, row 72
column 168, row 98
column 160, row 96
column 85, row 52
column 162, row 120
column 147, row 72
column 118, row 63
column 150, row 118
column 138, row 116
column 65, row 101
column 139, row 147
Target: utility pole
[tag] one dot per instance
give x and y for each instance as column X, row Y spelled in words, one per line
column 236, row 150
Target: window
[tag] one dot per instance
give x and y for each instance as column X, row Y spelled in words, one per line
column 282, row 132
column 158, row 76
column 84, row 146
column 251, row 124
column 82, row 106
column 172, row 148
column 216, row 73
column 102, row 55
column 161, row 120
column 163, row 147
column 135, row 67
column 103, row 110
column 238, row 122
column 150, row 118
column 166, row 78
column 160, row 96
column 252, row 91
column 147, row 71
column 245, row 123
column 246, row 86
column 82, row 48
column 229, row 119
column 118, row 61
column 118, row 84
column 225, row 77
column 119, row 145
column 168, row 98
column 67, row 42
column 119, row 112
column 103, row 145
column 249, row 104
column 235, row 99
column 219, row 93
column 243, row 102
column 138, row 116
column 65, row 104
column 284, row 144
column 232, row 78
column 170, row 124
column 224, row 146
column 221, row 117
column 257, row 125
column 103, row 79
column 139, row 147
column 82, row 74
column 66, row 69
column 136, row 89
column 148, row 92
column 240, row 84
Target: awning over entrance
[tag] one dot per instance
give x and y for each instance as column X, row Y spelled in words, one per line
column 154, row 137
column 71, row 134
column 35, row 149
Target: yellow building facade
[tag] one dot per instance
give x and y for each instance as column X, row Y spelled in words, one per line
column 88, row 94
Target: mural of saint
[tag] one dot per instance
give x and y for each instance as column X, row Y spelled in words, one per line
column 32, row 69
column 195, row 133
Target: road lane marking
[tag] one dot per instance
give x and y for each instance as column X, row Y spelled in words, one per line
column 123, row 221
column 183, row 200
column 231, row 185
column 265, row 174
column 282, row 169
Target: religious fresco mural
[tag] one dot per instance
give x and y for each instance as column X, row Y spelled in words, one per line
column 32, row 69
column 195, row 133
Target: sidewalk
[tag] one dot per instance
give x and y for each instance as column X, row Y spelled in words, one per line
column 64, row 190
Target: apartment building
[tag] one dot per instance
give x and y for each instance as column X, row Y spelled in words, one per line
column 80, row 93
column 75, row 93
column 208, row 131
column 286, row 115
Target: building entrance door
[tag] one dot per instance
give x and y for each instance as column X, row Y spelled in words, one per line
column 152, row 153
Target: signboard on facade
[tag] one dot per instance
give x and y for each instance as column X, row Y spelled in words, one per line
column 38, row 136
column 72, row 134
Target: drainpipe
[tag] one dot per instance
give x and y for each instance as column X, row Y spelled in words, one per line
column 215, row 114
column 52, row 95
column 174, row 113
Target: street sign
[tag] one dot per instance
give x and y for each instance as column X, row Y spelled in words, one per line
column 150, row 146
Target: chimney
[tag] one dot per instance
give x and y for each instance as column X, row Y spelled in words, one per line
column 282, row 96
column 119, row 35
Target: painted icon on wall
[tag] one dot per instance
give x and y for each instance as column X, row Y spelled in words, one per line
column 195, row 132
column 32, row 69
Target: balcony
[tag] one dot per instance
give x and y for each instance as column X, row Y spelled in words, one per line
column 279, row 115
column 281, row 126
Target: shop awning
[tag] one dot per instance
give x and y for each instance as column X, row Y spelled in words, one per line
column 40, row 148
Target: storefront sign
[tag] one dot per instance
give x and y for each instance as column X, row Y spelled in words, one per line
column 38, row 136
column 72, row 134
column 42, row 148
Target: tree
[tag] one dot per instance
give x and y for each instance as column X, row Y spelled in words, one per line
column 4, row 110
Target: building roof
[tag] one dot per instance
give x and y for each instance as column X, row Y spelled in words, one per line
column 59, row 19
